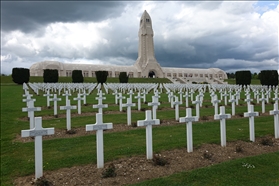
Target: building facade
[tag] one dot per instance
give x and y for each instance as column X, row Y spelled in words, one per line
column 146, row 64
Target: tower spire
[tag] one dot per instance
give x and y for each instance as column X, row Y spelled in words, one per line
column 146, row 58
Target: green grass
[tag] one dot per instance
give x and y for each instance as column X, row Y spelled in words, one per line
column 17, row 159
column 253, row 81
column 227, row 173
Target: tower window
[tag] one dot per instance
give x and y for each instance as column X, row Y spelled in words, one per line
column 147, row 20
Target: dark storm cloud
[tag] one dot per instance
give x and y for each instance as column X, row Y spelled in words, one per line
column 29, row 16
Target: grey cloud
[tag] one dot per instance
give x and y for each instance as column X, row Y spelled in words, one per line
column 28, row 16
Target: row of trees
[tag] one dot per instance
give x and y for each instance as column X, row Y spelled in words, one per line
column 22, row 75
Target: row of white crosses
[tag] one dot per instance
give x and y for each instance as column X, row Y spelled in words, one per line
column 37, row 131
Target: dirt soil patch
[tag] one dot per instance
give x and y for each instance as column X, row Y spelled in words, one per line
column 137, row 168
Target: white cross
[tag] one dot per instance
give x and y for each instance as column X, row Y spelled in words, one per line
column 171, row 96
column 66, row 95
column 100, row 104
column 129, row 104
column 197, row 102
column 79, row 102
column 222, row 117
column 99, row 126
column 139, row 102
column 189, row 119
column 27, row 100
column 84, row 94
column 48, row 95
column 180, row 96
column 248, row 100
column 275, row 112
column 275, row 98
column 176, row 103
column 31, row 109
column 144, row 95
column 200, row 96
column 233, row 100
column 225, row 95
column 115, row 96
column 38, row 131
column 148, row 122
column 186, row 95
column 154, row 105
column 131, row 93
column 55, row 99
column 263, row 99
column 215, row 103
column 251, row 114
column 120, row 97
column 68, row 109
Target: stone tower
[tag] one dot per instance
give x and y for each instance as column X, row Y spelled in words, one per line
column 146, row 62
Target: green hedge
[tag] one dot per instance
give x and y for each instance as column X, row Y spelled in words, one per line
column 123, row 78
column 77, row 76
column 101, row 76
column 243, row 77
column 269, row 77
column 20, row 75
column 50, row 76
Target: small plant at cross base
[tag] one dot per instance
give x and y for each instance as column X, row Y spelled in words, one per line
column 267, row 141
column 207, row 155
column 238, row 148
column 109, row 172
column 159, row 160
column 71, row 131
column 134, row 124
column 42, row 182
column 143, row 109
column 240, row 114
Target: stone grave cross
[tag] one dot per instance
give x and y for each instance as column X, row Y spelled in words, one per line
column 233, row 100
column 215, row 103
column 248, row 100
column 197, row 102
column 154, row 105
column 38, row 131
column 100, row 104
column 148, row 122
column 263, row 99
column 120, row 97
column 48, row 95
column 99, row 126
column 68, row 109
column 251, row 114
column 186, row 95
column 189, row 119
column 222, row 117
column 138, row 97
column 55, row 99
column 66, row 95
column 275, row 112
column 176, row 103
column 31, row 109
column 129, row 104
column 78, row 99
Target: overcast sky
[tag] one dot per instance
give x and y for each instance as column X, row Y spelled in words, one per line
column 228, row 35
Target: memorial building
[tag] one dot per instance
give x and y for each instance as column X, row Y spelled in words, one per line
column 146, row 64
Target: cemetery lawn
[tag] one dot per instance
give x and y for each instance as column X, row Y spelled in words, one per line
column 72, row 158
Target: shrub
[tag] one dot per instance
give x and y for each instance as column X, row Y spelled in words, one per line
column 269, row 77
column 77, row 76
column 50, row 76
column 20, row 75
column 243, row 77
column 109, row 172
column 101, row 76
column 158, row 160
column 123, row 78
